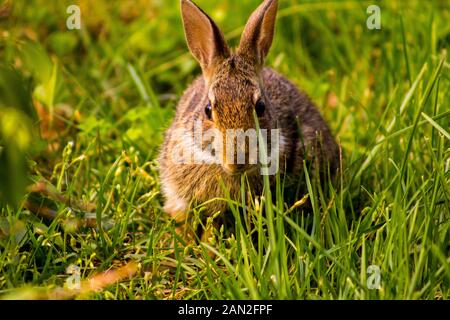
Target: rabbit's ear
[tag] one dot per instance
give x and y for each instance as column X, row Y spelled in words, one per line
column 258, row 33
column 205, row 40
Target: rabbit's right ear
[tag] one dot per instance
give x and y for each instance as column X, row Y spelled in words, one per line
column 205, row 40
column 258, row 33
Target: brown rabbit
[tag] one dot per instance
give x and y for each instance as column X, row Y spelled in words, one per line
column 233, row 87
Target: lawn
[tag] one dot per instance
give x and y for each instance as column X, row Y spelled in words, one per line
column 82, row 117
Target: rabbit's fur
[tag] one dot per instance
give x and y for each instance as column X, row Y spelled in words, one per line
column 232, row 82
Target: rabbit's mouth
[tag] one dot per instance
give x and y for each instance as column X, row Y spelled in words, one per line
column 239, row 169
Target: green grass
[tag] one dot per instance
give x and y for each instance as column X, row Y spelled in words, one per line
column 111, row 90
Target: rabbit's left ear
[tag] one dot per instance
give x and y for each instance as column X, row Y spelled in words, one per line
column 258, row 33
column 204, row 38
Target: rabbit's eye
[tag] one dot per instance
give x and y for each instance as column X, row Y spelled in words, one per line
column 208, row 110
column 260, row 107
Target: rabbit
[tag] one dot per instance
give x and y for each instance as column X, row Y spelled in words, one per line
column 233, row 87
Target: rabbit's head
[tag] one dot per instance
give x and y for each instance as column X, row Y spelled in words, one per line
column 233, row 79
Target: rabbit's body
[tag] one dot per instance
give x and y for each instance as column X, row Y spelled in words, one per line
column 233, row 83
